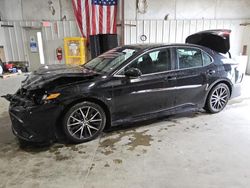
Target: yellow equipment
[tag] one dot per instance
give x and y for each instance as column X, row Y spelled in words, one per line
column 75, row 50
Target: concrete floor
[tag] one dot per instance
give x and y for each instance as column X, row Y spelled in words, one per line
column 191, row 150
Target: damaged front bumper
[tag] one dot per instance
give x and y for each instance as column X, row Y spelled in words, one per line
column 33, row 122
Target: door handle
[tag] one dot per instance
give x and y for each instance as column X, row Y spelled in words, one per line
column 211, row 72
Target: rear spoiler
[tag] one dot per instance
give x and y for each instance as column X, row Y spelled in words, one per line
column 217, row 40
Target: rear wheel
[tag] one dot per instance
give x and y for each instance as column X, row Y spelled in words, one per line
column 217, row 98
column 84, row 122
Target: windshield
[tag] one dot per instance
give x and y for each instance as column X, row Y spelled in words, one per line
column 110, row 60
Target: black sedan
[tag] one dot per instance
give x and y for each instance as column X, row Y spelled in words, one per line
column 124, row 85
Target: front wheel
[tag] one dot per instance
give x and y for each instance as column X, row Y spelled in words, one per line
column 217, row 98
column 84, row 122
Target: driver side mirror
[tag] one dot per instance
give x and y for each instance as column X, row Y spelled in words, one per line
column 133, row 73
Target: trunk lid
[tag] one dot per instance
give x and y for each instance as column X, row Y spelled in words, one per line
column 217, row 40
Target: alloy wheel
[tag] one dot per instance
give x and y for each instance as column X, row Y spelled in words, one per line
column 219, row 98
column 84, row 123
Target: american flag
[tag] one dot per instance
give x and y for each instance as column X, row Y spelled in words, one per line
column 96, row 16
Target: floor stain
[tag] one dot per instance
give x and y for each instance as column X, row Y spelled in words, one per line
column 135, row 139
column 60, row 157
column 174, row 121
column 35, row 171
column 81, row 152
column 92, row 166
column 39, row 164
column 108, row 151
column 117, row 161
column 106, row 165
column 172, row 125
column 195, row 126
column 109, row 145
column 139, row 139
column 72, row 147
column 10, row 150
column 57, row 153
column 162, row 129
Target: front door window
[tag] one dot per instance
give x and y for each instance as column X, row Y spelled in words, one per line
column 152, row 62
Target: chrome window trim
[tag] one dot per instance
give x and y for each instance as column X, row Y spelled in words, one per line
column 167, row 89
column 116, row 73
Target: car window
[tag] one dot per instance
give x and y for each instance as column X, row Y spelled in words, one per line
column 206, row 59
column 152, row 62
column 189, row 58
column 154, row 55
column 110, row 60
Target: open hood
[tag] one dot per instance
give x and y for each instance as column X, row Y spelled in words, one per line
column 217, row 40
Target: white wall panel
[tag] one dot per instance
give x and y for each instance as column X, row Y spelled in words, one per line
column 191, row 9
column 166, row 32
column 176, row 31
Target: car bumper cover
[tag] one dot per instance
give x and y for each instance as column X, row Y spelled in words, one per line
column 35, row 123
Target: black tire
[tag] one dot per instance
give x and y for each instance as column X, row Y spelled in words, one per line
column 217, row 98
column 84, row 122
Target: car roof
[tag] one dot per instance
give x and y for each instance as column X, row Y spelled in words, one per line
column 148, row 46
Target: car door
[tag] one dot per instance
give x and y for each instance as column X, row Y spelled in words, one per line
column 133, row 97
column 192, row 75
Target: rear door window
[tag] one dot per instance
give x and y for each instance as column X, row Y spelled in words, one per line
column 206, row 59
column 189, row 58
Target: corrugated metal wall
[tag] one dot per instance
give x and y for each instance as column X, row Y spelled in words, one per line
column 17, row 42
column 175, row 31
column 157, row 31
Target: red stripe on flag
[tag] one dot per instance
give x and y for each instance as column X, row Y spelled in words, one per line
column 78, row 14
column 87, row 17
column 79, row 2
column 108, row 19
column 93, row 20
column 100, row 19
column 114, row 21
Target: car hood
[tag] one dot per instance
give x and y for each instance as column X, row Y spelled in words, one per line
column 54, row 75
column 217, row 40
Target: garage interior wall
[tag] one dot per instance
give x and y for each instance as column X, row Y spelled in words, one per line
column 165, row 21
column 171, row 21
column 191, row 9
column 28, row 14
column 17, row 43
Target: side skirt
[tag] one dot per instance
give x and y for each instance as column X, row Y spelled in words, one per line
column 158, row 114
